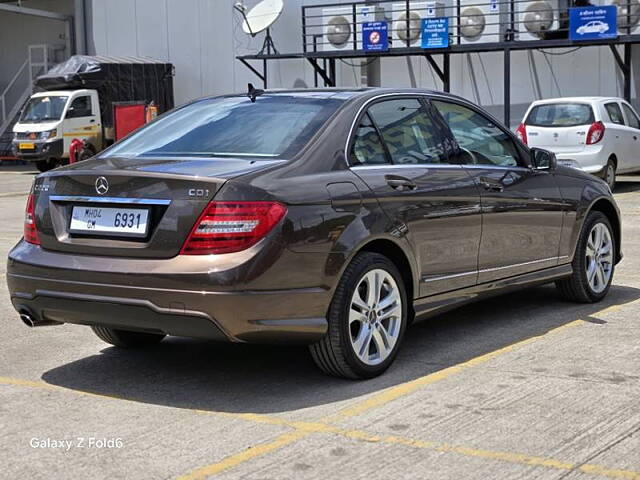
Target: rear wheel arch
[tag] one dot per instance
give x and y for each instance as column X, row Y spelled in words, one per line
column 606, row 207
column 398, row 256
column 614, row 159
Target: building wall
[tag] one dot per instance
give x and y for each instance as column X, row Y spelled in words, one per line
column 17, row 32
column 202, row 38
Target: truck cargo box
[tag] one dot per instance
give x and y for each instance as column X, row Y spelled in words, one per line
column 117, row 79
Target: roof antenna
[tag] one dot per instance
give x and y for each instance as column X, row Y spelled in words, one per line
column 253, row 93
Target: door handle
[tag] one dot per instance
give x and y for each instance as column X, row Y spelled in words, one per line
column 491, row 184
column 399, row 183
column 635, row 137
column 92, row 121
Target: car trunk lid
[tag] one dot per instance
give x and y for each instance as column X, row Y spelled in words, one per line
column 558, row 139
column 81, row 209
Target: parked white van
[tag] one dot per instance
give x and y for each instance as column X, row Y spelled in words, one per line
column 600, row 135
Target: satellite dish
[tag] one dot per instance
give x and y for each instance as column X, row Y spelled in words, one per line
column 538, row 18
column 260, row 18
column 415, row 27
column 628, row 13
column 472, row 22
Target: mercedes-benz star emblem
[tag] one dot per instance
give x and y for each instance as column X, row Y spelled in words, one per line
column 102, row 186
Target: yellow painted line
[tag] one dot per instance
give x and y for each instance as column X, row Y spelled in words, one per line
column 302, row 429
column 246, row 455
column 404, row 389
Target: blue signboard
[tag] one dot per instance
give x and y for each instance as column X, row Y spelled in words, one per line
column 375, row 37
column 592, row 23
column 435, row 32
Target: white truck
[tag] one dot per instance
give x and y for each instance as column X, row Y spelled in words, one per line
column 78, row 101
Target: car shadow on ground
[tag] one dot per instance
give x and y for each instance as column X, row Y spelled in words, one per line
column 627, row 184
column 186, row 373
column 25, row 168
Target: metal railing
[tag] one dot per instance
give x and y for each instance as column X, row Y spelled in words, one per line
column 39, row 59
column 470, row 21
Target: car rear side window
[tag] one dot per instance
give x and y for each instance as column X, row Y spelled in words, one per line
column 614, row 112
column 408, row 131
column 483, row 141
column 275, row 126
column 560, row 115
column 367, row 147
column 632, row 118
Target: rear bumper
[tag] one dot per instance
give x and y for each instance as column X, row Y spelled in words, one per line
column 153, row 302
column 590, row 160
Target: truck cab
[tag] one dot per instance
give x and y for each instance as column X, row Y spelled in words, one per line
column 51, row 120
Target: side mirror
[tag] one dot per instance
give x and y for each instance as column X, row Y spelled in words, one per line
column 543, row 159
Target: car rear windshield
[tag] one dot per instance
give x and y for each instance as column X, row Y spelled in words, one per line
column 560, row 115
column 274, row 127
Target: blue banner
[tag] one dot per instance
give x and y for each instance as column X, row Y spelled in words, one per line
column 375, row 37
column 592, row 23
column 435, row 32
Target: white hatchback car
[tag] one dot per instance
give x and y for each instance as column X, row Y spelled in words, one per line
column 600, row 135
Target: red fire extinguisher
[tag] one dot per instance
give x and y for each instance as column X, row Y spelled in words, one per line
column 79, row 150
column 75, row 148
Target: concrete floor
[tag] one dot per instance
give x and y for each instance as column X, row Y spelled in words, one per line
column 520, row 386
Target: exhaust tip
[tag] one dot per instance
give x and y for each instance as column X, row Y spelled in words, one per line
column 27, row 319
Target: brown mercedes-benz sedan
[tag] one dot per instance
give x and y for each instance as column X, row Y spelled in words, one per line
column 328, row 217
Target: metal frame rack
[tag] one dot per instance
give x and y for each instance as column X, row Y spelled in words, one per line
column 323, row 61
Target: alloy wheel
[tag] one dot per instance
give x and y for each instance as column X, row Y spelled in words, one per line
column 375, row 315
column 599, row 253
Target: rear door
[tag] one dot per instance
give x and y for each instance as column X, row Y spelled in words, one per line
column 400, row 152
column 522, row 208
column 618, row 133
column 559, row 127
column 631, row 162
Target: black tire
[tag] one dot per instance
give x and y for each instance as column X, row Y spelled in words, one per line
column 44, row 165
column 126, row 338
column 609, row 174
column 576, row 288
column 334, row 354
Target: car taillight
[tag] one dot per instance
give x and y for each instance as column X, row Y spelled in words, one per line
column 30, row 232
column 226, row 227
column 521, row 133
column 595, row 133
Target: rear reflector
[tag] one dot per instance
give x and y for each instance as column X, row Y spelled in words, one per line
column 595, row 133
column 521, row 133
column 30, row 232
column 227, row 227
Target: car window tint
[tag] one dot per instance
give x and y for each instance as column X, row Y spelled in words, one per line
column 367, row 147
column 81, row 106
column 632, row 118
column 408, row 131
column 487, row 143
column 615, row 114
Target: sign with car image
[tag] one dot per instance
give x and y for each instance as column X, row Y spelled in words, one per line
column 592, row 23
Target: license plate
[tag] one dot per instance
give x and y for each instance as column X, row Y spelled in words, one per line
column 27, row 145
column 127, row 222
